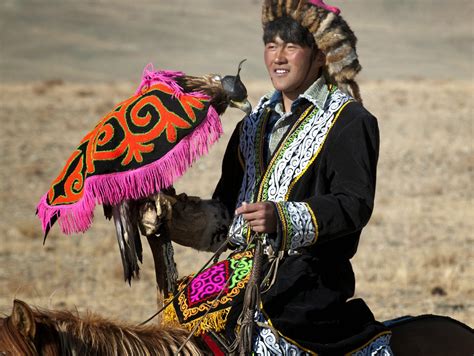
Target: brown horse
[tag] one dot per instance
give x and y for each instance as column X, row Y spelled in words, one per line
column 41, row 332
column 432, row 335
column 31, row 331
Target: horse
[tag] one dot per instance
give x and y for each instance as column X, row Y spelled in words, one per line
column 433, row 335
column 31, row 331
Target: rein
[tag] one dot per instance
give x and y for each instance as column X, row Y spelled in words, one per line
column 251, row 298
column 215, row 299
column 213, row 258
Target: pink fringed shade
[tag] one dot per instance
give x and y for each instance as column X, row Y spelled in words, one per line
column 139, row 148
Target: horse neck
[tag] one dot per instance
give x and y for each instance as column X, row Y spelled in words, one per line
column 96, row 335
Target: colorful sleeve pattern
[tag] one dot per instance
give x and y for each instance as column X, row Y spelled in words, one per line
column 298, row 225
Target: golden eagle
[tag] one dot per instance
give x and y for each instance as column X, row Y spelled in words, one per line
column 137, row 150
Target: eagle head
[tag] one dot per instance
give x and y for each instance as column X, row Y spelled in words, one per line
column 224, row 91
column 236, row 91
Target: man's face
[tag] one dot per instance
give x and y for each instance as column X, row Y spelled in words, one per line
column 292, row 67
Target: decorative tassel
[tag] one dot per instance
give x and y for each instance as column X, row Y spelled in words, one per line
column 251, row 301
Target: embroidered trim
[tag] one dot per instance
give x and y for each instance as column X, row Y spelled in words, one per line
column 301, row 147
column 251, row 140
column 378, row 345
column 292, row 136
column 297, row 225
column 317, row 153
column 284, row 227
column 290, row 162
column 293, row 183
column 315, row 223
column 268, row 343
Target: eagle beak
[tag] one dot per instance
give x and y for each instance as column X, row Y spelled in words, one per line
column 243, row 105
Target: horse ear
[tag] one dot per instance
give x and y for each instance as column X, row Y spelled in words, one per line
column 23, row 319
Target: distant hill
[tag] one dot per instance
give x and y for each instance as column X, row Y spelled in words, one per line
column 99, row 40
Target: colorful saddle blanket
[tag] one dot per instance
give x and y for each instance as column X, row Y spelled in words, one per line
column 207, row 298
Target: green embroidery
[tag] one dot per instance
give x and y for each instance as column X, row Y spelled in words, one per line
column 241, row 268
column 289, row 226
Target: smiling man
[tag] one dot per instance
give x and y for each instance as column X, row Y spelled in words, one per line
column 299, row 172
column 306, row 182
column 292, row 59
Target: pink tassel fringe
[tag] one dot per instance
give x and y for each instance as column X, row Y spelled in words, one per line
column 151, row 77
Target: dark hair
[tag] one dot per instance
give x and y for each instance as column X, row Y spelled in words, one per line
column 289, row 30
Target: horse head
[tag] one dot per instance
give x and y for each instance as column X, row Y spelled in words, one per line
column 22, row 334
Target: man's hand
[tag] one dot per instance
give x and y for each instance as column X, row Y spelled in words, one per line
column 261, row 217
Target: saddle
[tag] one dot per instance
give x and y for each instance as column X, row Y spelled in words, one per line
column 203, row 301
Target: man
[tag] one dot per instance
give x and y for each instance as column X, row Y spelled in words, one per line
column 300, row 172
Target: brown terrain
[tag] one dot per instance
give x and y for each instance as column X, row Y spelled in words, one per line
column 415, row 256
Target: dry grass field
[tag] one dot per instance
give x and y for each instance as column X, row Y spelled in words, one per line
column 63, row 64
column 415, row 255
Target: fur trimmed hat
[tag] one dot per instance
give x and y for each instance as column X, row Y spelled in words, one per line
column 331, row 33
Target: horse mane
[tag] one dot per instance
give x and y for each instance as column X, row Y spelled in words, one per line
column 93, row 334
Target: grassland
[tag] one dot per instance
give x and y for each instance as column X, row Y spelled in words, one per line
column 415, row 255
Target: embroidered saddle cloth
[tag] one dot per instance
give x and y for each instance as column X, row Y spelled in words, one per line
column 207, row 298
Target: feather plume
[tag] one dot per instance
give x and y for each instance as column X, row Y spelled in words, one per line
column 125, row 217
